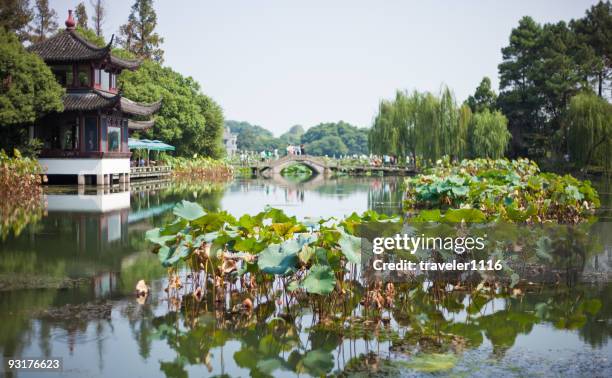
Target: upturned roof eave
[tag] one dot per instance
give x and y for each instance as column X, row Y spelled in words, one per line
column 89, row 100
column 53, row 50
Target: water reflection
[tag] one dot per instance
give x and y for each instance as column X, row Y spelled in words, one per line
column 325, row 197
column 91, row 246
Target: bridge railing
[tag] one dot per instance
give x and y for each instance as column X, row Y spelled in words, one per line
column 298, row 158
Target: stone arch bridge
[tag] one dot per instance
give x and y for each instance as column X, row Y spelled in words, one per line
column 275, row 167
column 321, row 166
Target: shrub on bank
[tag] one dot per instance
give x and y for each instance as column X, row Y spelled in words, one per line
column 502, row 189
column 20, row 190
column 199, row 167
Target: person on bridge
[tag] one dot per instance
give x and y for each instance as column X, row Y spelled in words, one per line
column 302, row 150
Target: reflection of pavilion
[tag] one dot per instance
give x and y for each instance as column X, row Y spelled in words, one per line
column 98, row 221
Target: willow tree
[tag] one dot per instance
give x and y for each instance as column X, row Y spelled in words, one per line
column 464, row 132
column 448, row 126
column 420, row 125
column 490, row 135
column 589, row 119
column 427, row 127
column 379, row 137
column 405, row 116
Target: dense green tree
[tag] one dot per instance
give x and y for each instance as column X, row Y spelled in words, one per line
column 490, row 134
column 558, row 75
column 81, row 15
column 590, row 130
column 138, row 35
column 293, row 136
column 256, row 138
column 185, row 112
column 253, row 137
column 15, row 15
column 353, row 138
column 28, row 90
column 595, row 30
column 99, row 15
column 212, row 141
column 91, row 36
column 44, row 21
column 483, row 98
column 519, row 97
column 543, row 67
column 329, row 145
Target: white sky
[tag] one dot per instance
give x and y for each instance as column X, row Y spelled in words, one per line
column 280, row 63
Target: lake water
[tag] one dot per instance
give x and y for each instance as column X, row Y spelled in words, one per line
column 67, row 283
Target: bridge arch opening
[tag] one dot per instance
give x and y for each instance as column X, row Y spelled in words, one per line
column 298, row 170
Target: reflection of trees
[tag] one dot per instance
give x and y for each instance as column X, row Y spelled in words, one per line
column 429, row 317
column 268, row 344
column 596, row 330
column 385, row 195
column 16, row 326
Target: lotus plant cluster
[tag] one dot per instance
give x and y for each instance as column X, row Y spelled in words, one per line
column 507, row 190
column 313, row 256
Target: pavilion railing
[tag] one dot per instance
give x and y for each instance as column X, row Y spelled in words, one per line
column 150, row 171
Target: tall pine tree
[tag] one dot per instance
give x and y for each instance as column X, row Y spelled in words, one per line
column 44, row 22
column 138, row 35
column 81, row 15
column 595, row 30
column 99, row 15
column 483, row 98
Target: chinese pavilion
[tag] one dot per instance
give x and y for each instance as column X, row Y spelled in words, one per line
column 89, row 139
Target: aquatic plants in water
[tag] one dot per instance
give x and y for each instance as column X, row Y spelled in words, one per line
column 309, row 255
column 260, row 278
column 320, row 256
column 507, row 190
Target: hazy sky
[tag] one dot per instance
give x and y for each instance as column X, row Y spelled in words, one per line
column 281, row 63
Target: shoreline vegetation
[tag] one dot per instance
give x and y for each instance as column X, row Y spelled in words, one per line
column 199, row 167
column 21, row 181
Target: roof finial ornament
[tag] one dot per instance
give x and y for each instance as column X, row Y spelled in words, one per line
column 70, row 21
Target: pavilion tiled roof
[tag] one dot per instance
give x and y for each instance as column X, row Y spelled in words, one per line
column 138, row 109
column 140, row 125
column 69, row 46
column 94, row 99
column 89, row 100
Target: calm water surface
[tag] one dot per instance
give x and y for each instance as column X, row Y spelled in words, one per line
column 67, row 281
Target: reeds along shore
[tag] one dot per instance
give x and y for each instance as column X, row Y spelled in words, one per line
column 21, row 192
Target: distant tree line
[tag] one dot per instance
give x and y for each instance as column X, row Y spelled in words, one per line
column 555, row 87
column 188, row 119
column 331, row 139
column 425, row 126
